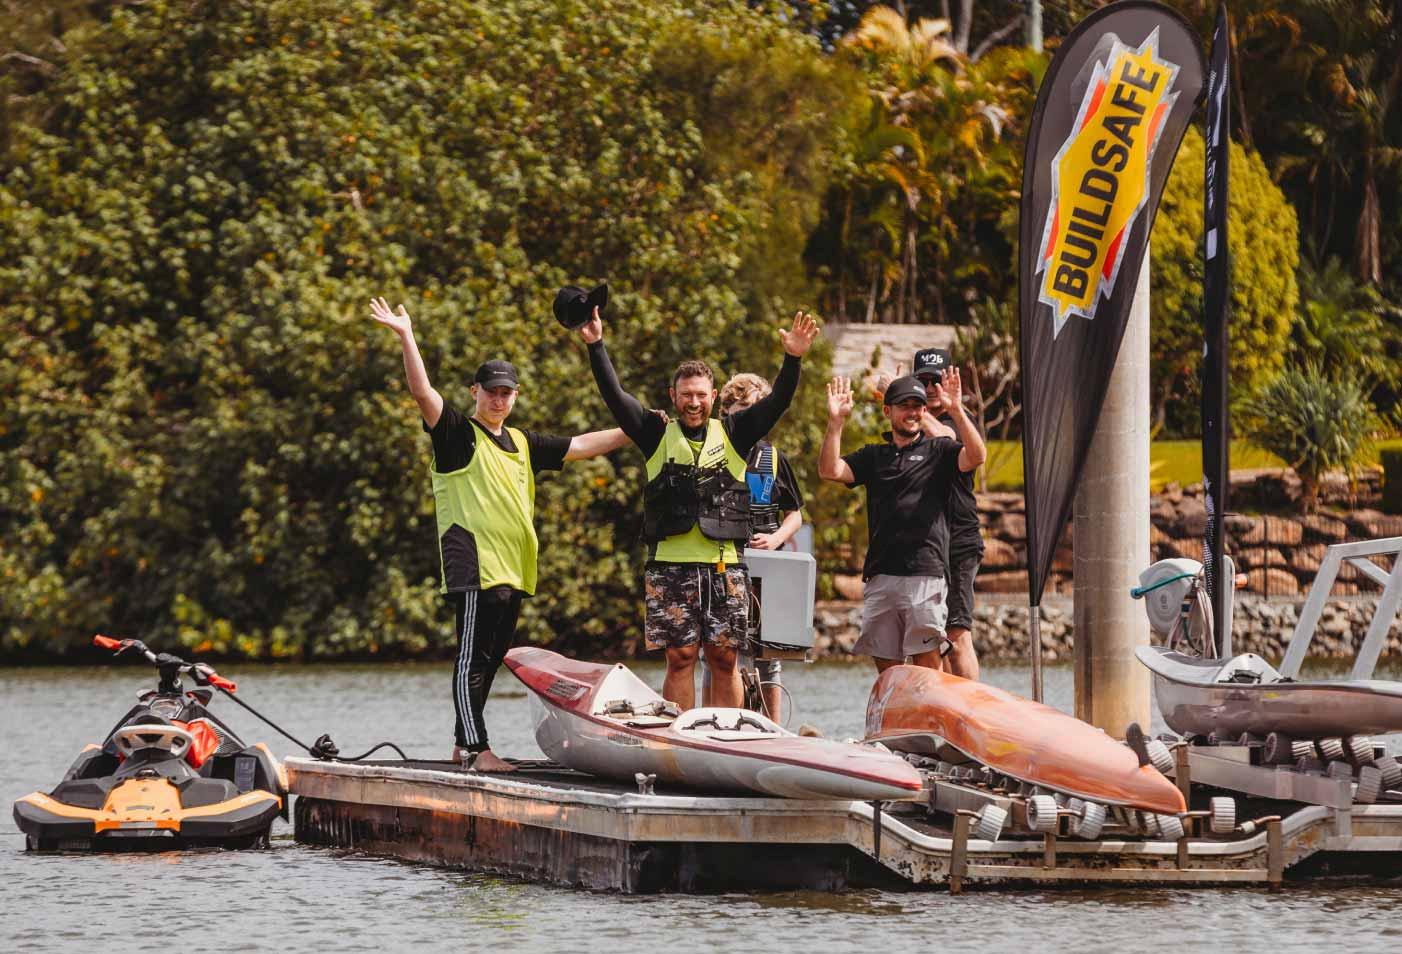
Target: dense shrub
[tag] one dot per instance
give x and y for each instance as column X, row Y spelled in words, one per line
column 1264, row 244
column 1390, row 456
column 202, row 432
column 1315, row 422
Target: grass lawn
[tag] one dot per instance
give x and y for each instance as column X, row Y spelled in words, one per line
column 1169, row 461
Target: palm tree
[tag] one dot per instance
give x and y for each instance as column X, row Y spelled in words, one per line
column 1322, row 79
column 931, row 116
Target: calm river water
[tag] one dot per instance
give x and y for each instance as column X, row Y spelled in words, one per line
column 292, row 898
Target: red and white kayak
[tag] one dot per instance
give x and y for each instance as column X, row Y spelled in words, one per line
column 915, row 709
column 605, row 721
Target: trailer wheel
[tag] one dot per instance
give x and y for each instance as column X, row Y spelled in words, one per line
column 1159, row 756
column 1331, row 749
column 1278, row 749
column 1041, row 813
column 1340, row 769
column 1302, row 749
column 1171, row 827
column 991, row 820
column 1360, row 749
column 1223, row 815
column 1392, row 772
column 1370, row 785
column 1091, row 822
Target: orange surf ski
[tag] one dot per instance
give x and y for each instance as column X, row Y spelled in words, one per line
column 1017, row 737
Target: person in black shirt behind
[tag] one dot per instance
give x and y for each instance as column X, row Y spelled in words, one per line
column 776, row 505
column 908, row 479
column 965, row 551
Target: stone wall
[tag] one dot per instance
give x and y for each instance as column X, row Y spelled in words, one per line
column 1279, row 552
column 1261, row 626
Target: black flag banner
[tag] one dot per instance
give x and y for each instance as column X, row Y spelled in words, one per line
column 1216, row 300
column 1110, row 115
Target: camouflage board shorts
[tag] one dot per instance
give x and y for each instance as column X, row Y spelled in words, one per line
column 688, row 603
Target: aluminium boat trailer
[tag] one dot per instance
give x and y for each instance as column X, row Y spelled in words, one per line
column 964, row 829
column 1262, row 808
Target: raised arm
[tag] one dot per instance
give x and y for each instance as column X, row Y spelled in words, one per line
column 948, row 396
column 595, row 443
column 429, row 400
column 934, row 427
column 831, row 466
column 748, row 427
column 637, row 423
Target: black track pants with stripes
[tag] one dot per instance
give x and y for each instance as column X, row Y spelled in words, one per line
column 485, row 624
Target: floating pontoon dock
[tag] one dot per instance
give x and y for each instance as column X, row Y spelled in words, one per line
column 545, row 823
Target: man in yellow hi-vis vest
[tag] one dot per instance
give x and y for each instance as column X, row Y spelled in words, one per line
column 483, row 475
column 696, row 510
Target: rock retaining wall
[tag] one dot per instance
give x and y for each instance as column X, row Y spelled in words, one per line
column 1280, row 553
column 1261, row 626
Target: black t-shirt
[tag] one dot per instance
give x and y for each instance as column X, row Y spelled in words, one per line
column 455, row 441
column 908, row 491
column 786, row 494
column 964, row 537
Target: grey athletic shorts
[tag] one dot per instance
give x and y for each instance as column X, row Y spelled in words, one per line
column 902, row 616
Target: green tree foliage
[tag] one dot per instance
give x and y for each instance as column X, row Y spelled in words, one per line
column 1344, row 323
column 1264, row 247
column 1315, row 421
column 1317, row 90
column 918, row 224
column 991, row 369
column 202, row 432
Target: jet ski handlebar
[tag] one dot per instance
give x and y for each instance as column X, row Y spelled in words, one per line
column 202, row 673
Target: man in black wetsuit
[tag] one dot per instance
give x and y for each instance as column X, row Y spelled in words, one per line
column 776, row 505
column 696, row 510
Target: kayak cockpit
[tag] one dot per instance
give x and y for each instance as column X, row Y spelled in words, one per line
column 727, row 725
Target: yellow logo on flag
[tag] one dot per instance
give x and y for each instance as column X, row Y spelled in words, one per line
column 1100, row 178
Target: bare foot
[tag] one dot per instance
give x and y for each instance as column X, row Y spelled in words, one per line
column 487, row 762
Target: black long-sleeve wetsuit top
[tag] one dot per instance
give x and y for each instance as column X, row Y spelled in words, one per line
column 744, row 428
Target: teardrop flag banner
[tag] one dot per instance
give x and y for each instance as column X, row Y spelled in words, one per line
column 1110, row 115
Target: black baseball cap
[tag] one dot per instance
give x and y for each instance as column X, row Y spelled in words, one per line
column 931, row 363
column 495, row 374
column 574, row 306
column 903, row 389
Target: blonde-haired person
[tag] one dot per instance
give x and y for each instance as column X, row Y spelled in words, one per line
column 776, row 506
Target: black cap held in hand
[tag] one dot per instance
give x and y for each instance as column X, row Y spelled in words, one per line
column 495, row 374
column 574, row 306
column 931, row 363
column 903, row 389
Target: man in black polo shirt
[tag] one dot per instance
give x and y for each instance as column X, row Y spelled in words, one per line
column 908, row 478
column 965, row 551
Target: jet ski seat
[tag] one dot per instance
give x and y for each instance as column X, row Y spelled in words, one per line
column 1248, row 668
column 131, row 739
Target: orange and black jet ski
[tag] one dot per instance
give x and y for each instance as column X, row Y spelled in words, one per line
column 169, row 775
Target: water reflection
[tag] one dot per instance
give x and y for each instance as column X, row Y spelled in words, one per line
column 296, row 898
